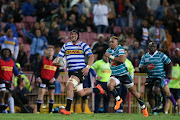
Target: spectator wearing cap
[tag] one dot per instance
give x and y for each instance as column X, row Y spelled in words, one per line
column 16, row 12
column 99, row 47
column 101, row 12
column 11, row 25
column 28, row 9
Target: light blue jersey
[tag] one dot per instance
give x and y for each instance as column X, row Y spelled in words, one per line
column 155, row 64
column 118, row 69
column 75, row 55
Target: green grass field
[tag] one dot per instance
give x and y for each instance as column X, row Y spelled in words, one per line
column 107, row 116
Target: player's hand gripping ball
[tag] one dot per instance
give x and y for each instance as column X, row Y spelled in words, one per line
column 61, row 61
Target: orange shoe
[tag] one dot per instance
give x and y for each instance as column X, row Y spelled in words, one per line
column 145, row 112
column 64, row 111
column 118, row 103
column 100, row 88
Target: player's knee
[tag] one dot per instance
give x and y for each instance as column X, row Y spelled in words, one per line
column 72, row 81
column 79, row 89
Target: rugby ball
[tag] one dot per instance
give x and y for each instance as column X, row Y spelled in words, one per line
column 61, row 61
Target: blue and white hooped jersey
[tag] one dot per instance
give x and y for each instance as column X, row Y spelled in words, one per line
column 155, row 64
column 75, row 55
column 118, row 69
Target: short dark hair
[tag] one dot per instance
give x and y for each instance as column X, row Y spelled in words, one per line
column 4, row 50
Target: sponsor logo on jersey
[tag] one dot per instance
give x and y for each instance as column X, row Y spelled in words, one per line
column 49, row 67
column 105, row 71
column 9, row 42
column 150, row 66
column 68, row 52
column 6, row 68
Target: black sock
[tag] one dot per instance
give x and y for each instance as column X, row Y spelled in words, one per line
column 114, row 93
column 68, row 105
column 51, row 102
column 96, row 90
column 39, row 102
column 140, row 101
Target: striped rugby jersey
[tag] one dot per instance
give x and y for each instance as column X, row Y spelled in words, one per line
column 75, row 55
column 118, row 69
column 155, row 64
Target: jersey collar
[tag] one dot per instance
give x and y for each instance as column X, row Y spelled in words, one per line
column 153, row 54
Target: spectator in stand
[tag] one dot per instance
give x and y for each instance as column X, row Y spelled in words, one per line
column 28, row 9
column 135, row 48
column 153, row 4
column 83, row 6
column 71, row 22
column 177, row 55
column 11, row 25
column 63, row 22
column 161, row 11
column 43, row 28
column 151, row 20
column 39, row 42
column 141, row 12
column 14, row 11
column 74, row 10
column 55, row 6
column 101, row 12
column 157, row 34
column 10, row 42
column 130, row 39
column 22, row 56
column 81, row 24
column 142, row 34
column 99, row 47
column 35, row 27
column 53, row 35
column 112, row 14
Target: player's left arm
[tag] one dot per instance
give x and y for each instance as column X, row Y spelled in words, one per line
column 166, row 60
column 121, row 56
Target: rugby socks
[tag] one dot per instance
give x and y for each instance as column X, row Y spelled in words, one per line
column 115, row 94
column 172, row 99
column 141, row 103
column 68, row 105
column 1, row 107
column 11, row 104
column 95, row 90
column 51, row 102
column 39, row 102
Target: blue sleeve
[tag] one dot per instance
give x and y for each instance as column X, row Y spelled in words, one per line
column 45, row 41
column 15, row 70
column 29, row 35
column 16, row 42
column 1, row 40
column 92, row 72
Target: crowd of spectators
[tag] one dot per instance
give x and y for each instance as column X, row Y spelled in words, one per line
column 138, row 23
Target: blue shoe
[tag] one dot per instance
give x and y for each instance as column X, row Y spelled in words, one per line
column 155, row 113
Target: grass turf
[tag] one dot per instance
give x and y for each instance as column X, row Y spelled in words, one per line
column 107, row 116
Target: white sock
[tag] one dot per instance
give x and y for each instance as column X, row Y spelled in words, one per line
column 117, row 98
column 11, row 104
column 143, row 107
